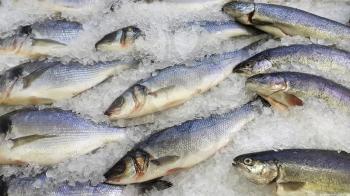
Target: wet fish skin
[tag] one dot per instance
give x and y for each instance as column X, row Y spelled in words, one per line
column 36, row 185
column 120, row 40
column 322, row 57
column 50, row 136
column 288, row 88
column 44, row 82
column 173, row 86
column 281, row 21
column 310, row 169
column 176, row 148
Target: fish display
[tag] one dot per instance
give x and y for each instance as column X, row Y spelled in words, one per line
column 41, row 38
column 318, row 56
column 286, row 89
column 177, row 148
column 320, row 171
column 222, row 29
column 50, row 136
column 173, row 86
column 120, row 40
column 44, row 82
column 283, row 21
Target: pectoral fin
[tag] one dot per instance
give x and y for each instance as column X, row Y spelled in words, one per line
column 282, row 100
column 28, row 139
column 165, row 160
column 161, row 90
column 46, row 42
column 33, row 76
column 156, row 184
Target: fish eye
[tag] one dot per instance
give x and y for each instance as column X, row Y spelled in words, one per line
column 119, row 102
column 248, row 161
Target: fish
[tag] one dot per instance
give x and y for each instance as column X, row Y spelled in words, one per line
column 287, row 89
column 174, row 85
column 222, row 29
column 64, row 5
column 328, row 59
column 45, row 82
column 281, row 21
column 321, row 171
column 41, row 38
column 120, row 40
column 180, row 147
column 49, row 136
column 36, row 186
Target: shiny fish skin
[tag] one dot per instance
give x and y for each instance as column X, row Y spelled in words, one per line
column 50, row 136
column 36, row 185
column 61, row 31
column 223, row 29
column 173, row 149
column 281, row 85
column 322, row 171
column 46, row 82
column 174, row 85
column 281, row 21
column 321, row 57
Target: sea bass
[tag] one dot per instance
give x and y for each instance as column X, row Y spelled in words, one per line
column 175, row 85
column 320, row 171
column 318, row 56
column 282, row 21
column 120, row 40
column 176, row 148
column 50, row 136
column 284, row 89
column 45, row 82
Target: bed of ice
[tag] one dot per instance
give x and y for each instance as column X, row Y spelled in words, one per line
column 313, row 126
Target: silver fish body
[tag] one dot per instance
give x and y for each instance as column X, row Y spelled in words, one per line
column 317, row 56
column 222, row 29
column 281, row 21
column 321, row 171
column 173, row 149
column 50, row 136
column 289, row 88
column 45, row 82
column 174, row 85
column 36, row 186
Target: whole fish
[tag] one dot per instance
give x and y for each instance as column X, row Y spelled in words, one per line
column 42, row 38
column 174, row 85
column 321, row 171
column 36, row 186
column 284, row 89
column 281, row 21
column 176, row 148
column 50, row 136
column 120, row 40
column 64, row 5
column 222, row 29
column 322, row 57
column 44, row 82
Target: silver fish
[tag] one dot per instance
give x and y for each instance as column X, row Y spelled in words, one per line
column 322, row 57
column 176, row 148
column 120, row 40
column 50, row 136
column 281, row 21
column 222, row 29
column 285, row 89
column 174, row 85
column 44, row 82
column 319, row 171
column 36, row 186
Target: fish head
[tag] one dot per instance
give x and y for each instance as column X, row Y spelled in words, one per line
column 128, row 104
column 266, row 84
column 129, row 169
column 256, row 169
column 251, row 67
column 242, row 11
column 119, row 40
